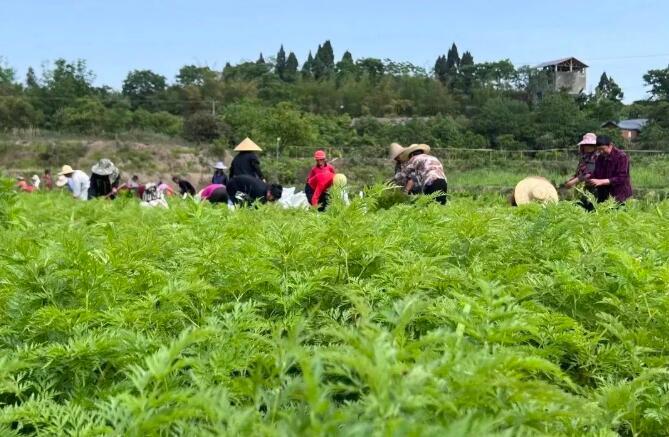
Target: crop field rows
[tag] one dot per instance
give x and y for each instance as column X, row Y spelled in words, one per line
column 374, row 319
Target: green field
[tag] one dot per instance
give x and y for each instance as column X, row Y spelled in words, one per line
column 470, row 319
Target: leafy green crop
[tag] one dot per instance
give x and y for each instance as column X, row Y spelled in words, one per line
column 417, row 319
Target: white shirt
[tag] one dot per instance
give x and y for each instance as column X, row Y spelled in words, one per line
column 79, row 183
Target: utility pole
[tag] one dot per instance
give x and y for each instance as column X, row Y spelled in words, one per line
column 213, row 108
column 278, row 144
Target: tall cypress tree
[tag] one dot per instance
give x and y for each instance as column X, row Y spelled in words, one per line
column 608, row 89
column 452, row 60
column 327, row 56
column 467, row 59
column 260, row 60
column 291, row 67
column 440, row 70
column 307, row 66
column 280, row 66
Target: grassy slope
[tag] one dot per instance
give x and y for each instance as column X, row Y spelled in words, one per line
column 472, row 318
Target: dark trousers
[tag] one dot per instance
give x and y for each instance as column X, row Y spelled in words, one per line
column 440, row 186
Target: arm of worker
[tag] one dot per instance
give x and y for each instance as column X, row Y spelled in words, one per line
column 571, row 182
column 317, row 194
column 621, row 173
column 409, row 186
column 255, row 164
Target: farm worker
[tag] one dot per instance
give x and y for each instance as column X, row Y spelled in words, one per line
column 246, row 189
column 133, row 186
column 35, row 181
column 105, row 178
column 586, row 166
column 78, row 181
column 48, row 181
column 399, row 178
column 165, row 188
column 534, row 189
column 318, row 186
column 423, row 171
column 214, row 193
column 612, row 172
column 321, row 165
column 246, row 162
column 23, row 185
column 185, row 187
column 152, row 197
column 219, row 176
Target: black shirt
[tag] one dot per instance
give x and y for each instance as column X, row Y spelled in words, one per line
column 246, row 163
column 252, row 189
column 186, row 188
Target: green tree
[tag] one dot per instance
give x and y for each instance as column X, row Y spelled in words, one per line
column 143, row 89
column 31, row 79
column 86, row 115
column 201, row 126
column 290, row 74
column 440, row 69
column 608, row 89
column 307, row 67
column 658, row 81
column 260, row 60
column 281, row 63
column 17, row 112
column 194, row 75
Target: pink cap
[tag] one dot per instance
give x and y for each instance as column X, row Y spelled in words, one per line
column 589, row 139
column 319, row 154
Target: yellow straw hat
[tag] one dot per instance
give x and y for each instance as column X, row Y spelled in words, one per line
column 247, row 146
column 395, row 150
column 65, row 170
column 535, row 188
column 412, row 148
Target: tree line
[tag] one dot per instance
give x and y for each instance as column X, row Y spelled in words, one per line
column 325, row 102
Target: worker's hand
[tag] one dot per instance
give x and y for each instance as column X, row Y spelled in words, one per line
column 597, row 182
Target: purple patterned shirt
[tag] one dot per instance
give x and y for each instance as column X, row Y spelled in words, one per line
column 616, row 168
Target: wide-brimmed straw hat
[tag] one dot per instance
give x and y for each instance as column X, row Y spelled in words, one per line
column 219, row 166
column 535, row 189
column 395, row 150
column 412, row 148
column 247, row 146
column 61, row 181
column 104, row 167
column 65, row 170
column 589, row 139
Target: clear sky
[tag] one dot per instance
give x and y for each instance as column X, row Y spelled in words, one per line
column 625, row 38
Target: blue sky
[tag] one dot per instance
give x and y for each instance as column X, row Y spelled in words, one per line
column 624, row 38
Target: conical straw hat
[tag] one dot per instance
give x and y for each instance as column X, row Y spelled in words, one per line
column 247, row 146
column 535, row 188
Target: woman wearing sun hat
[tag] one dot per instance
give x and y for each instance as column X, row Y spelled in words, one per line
column 246, row 162
column 586, row 167
column 105, row 178
column 219, row 176
column 423, row 171
column 534, row 189
column 78, row 182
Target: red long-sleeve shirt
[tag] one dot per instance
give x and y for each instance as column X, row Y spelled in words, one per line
column 327, row 168
column 320, row 183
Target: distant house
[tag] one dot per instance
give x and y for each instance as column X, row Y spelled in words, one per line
column 629, row 129
column 566, row 74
